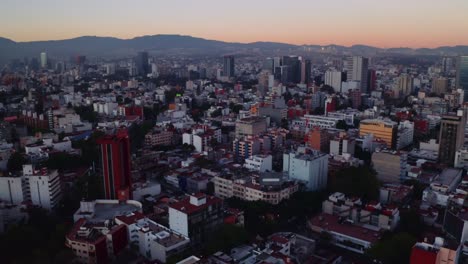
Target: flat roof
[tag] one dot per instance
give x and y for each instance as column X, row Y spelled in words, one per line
column 331, row 223
column 106, row 211
column 448, row 176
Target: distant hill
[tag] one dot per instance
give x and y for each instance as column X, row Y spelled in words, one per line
column 109, row 46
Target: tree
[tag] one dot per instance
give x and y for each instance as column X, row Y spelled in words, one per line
column 341, row 124
column 63, row 161
column 227, row 237
column 216, row 113
column 87, row 113
column 411, row 223
column 127, row 100
column 327, row 89
column 284, row 123
column 357, row 181
column 235, row 108
column 170, row 95
column 395, row 249
column 39, row 239
column 89, row 148
column 14, row 135
column 16, row 162
column 364, row 155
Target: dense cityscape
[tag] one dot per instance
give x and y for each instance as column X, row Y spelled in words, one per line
column 183, row 150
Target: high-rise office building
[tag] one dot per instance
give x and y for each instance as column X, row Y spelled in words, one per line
column 371, row 80
column 43, row 60
column 306, row 68
column 447, row 64
column 357, row 70
column 141, row 63
column 462, row 75
column 116, row 168
column 228, row 66
column 355, row 97
column 294, row 65
column 269, row 65
column 405, row 85
column 440, row 85
column 285, row 74
column 452, row 136
column 334, row 79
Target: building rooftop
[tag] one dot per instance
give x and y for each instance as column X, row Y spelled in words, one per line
column 251, row 119
column 102, row 210
column 386, row 122
column 332, row 223
column 187, row 207
column 160, row 234
column 448, row 176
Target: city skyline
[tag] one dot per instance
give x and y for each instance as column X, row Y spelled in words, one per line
column 297, row 22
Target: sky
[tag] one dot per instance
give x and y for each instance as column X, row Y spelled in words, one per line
column 382, row 23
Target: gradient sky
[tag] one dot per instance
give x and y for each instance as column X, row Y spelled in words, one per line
column 383, row 23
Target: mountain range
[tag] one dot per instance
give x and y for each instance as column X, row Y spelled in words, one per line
column 178, row 44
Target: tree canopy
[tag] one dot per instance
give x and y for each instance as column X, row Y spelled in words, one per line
column 356, row 181
column 40, row 239
column 226, row 238
column 395, row 249
column 16, row 162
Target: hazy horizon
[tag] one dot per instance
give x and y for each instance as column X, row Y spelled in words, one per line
column 387, row 24
column 175, row 34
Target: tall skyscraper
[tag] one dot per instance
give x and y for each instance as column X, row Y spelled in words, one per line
column 334, row 79
column 116, row 168
column 447, row 64
column 228, row 66
column 452, row 136
column 43, row 60
column 269, row 65
column 294, row 65
column 141, row 63
column 405, row 85
column 440, row 85
column 357, row 70
column 305, row 71
column 462, row 75
column 371, row 80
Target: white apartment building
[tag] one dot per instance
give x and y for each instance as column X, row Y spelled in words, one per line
column 461, row 159
column 260, row 163
column 334, row 79
column 201, row 137
column 40, row 187
column 249, row 190
column 43, row 186
column 11, row 190
column 342, row 145
column 107, row 108
column 307, row 122
column 308, row 166
column 405, row 134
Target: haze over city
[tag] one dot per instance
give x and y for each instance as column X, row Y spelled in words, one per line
column 383, row 24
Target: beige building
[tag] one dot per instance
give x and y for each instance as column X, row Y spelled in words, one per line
column 250, row 126
column 440, row 85
column 159, row 138
column 249, row 189
column 391, row 166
